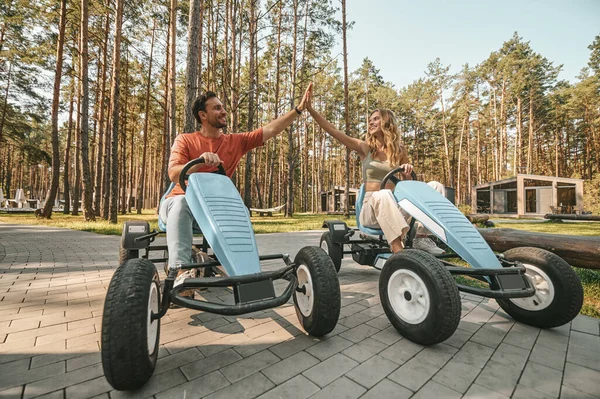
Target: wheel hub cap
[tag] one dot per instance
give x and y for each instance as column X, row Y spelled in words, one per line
column 152, row 325
column 544, row 290
column 305, row 300
column 408, row 296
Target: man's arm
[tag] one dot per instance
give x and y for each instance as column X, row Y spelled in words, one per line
column 279, row 124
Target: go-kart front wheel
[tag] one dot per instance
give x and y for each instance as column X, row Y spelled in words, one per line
column 558, row 293
column 333, row 250
column 129, row 335
column 317, row 299
column 419, row 297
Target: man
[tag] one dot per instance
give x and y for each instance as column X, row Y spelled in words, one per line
column 216, row 148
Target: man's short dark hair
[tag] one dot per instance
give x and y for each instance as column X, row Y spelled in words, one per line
column 200, row 104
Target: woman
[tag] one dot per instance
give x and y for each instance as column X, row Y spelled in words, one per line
column 381, row 152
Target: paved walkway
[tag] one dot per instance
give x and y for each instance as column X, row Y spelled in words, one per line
column 52, row 287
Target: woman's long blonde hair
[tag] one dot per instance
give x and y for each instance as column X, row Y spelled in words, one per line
column 393, row 147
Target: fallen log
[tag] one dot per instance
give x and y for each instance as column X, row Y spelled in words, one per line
column 478, row 218
column 578, row 251
column 570, row 216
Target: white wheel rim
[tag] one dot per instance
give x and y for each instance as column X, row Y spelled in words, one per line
column 152, row 325
column 325, row 247
column 544, row 290
column 305, row 300
column 409, row 296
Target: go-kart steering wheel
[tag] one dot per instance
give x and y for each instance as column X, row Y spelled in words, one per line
column 394, row 179
column 183, row 176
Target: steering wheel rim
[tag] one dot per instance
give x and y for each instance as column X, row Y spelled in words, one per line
column 394, row 179
column 183, row 176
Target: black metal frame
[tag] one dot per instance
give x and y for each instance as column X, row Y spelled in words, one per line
column 172, row 294
column 500, row 286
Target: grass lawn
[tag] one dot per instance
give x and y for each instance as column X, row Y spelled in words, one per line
column 300, row 221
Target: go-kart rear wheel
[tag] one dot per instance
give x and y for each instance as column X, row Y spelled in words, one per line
column 419, row 297
column 129, row 336
column 317, row 299
column 332, row 249
column 126, row 254
column 558, row 297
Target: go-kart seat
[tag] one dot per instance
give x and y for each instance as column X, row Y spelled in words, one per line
column 359, row 202
column 162, row 226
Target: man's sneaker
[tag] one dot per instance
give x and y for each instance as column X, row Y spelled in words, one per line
column 426, row 244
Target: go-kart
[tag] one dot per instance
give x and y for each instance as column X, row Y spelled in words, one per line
column 418, row 293
column 135, row 301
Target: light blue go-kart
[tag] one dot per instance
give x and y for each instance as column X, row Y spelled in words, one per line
column 418, row 293
column 135, row 301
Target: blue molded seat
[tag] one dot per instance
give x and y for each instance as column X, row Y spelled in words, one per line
column 162, row 226
column 359, row 202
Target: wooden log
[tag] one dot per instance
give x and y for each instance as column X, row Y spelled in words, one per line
column 570, row 216
column 578, row 251
column 478, row 218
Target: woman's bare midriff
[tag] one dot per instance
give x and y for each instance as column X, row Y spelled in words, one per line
column 375, row 186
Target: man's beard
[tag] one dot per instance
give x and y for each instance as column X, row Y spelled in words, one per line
column 217, row 124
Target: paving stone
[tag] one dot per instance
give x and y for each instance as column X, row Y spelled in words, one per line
column 457, row 375
column 581, row 378
column 12, row 393
column 204, row 366
column 554, row 339
column 290, row 367
column 489, row 336
column 499, row 378
column 436, row 390
column 293, row 346
column 459, row 338
column 372, row 371
column 511, row 356
column 414, row 374
column 570, row 393
column 388, row 336
column 436, row 355
column 298, row 387
column 525, row 392
column 359, row 333
column 364, row 349
column 329, row 347
column 387, row 389
column 329, row 370
column 481, row 392
column 587, row 341
column 9, row 380
column 342, row 388
column 584, row 357
column 541, row 378
column 197, row 388
column 158, row 383
column 586, row 324
column 243, row 368
column 89, row 388
column 247, row 388
column 402, row 351
column 474, row 354
column 62, row 381
column 522, row 336
column 548, row 357
column 83, row 361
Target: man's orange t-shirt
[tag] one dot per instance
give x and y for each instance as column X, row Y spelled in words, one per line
column 229, row 147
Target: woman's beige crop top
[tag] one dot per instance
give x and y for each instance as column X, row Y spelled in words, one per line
column 374, row 170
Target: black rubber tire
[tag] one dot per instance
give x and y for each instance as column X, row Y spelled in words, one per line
column 126, row 360
column 568, row 292
column 327, row 300
column 333, row 250
column 127, row 254
column 444, row 312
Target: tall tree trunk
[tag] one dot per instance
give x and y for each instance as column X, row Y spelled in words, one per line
column 142, row 181
column 252, row 87
column 101, row 123
column 47, row 211
column 88, row 211
column 291, row 156
column 346, row 109
column 67, row 166
column 530, row 135
column 173, row 71
column 191, row 72
column 77, row 163
column 114, row 102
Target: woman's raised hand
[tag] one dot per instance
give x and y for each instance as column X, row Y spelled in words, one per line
column 306, row 98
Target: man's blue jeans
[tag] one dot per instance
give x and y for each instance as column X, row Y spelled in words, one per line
column 176, row 214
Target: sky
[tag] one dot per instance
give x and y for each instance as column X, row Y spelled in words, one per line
column 402, row 36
